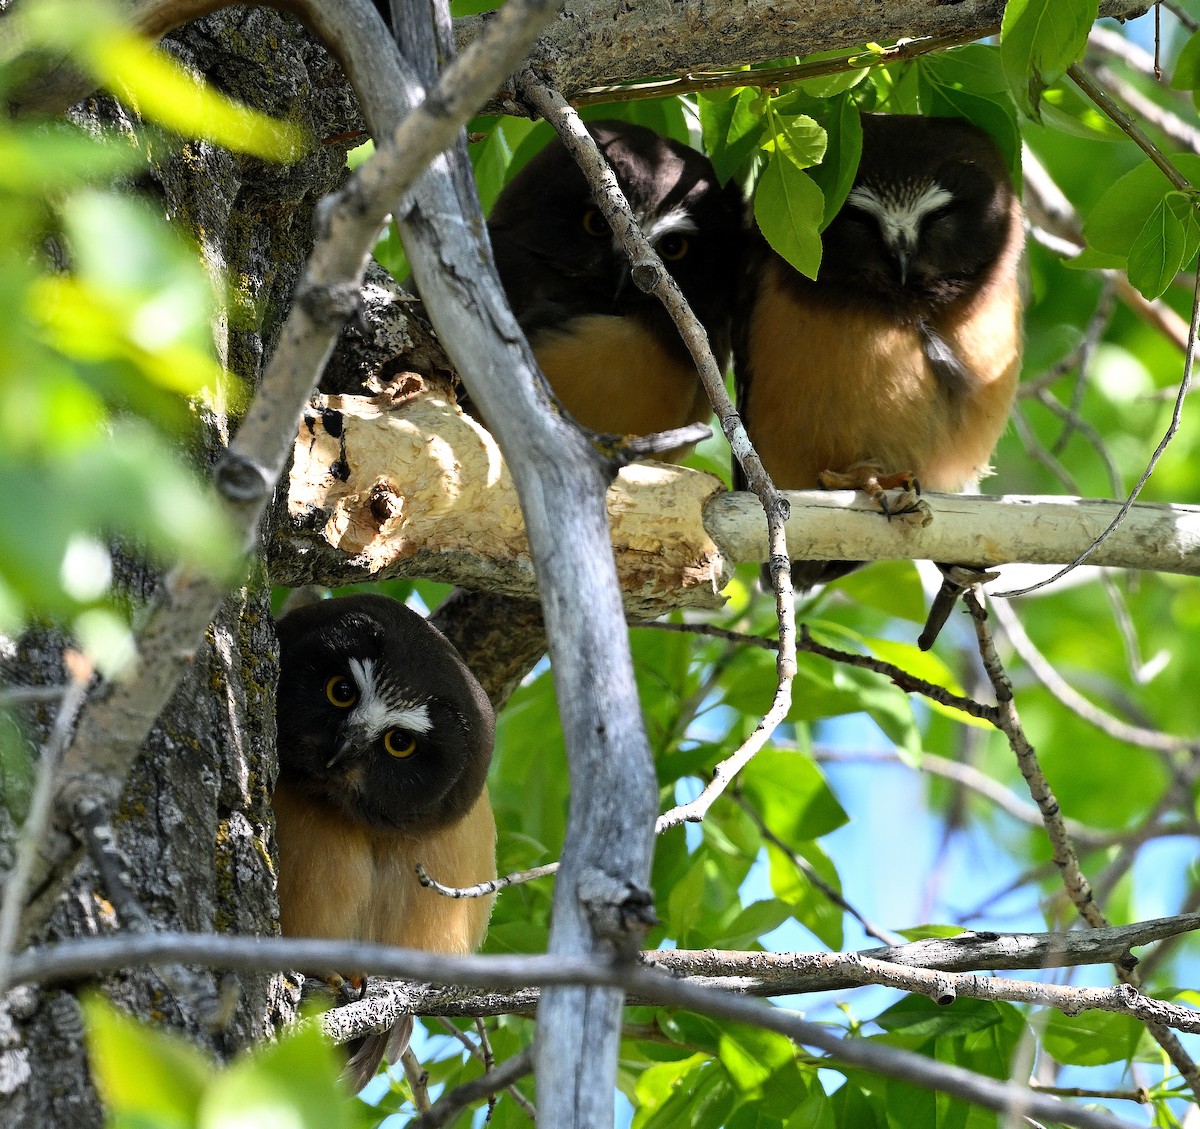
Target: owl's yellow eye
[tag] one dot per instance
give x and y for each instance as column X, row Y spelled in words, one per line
column 593, row 223
column 341, row 692
column 673, row 247
column 399, row 743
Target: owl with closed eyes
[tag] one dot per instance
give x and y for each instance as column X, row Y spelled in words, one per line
column 900, row 360
column 610, row 352
column 384, row 738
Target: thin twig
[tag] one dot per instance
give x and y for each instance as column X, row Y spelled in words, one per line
column 651, row 276
column 1113, row 45
column 1075, row 422
column 37, row 819
column 1140, row 1095
column 489, row 1064
column 907, row 682
column 418, row 1079
column 766, row 77
column 485, row 889
column 30, row 695
column 1068, row 696
column 527, row 1107
column 1085, row 80
column 1065, row 857
column 806, row 868
column 1172, row 430
column 451, row 1104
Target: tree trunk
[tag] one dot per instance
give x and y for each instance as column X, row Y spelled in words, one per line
column 194, row 819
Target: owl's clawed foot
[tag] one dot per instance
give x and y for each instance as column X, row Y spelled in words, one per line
column 957, row 579
column 868, row 477
column 347, row 989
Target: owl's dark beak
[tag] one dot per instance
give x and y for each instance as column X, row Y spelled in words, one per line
column 902, row 257
column 355, row 738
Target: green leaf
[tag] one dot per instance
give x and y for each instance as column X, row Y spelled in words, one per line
column 731, row 126
column 789, row 209
column 835, row 174
column 1092, row 1038
column 1065, row 108
column 696, row 1091
column 143, row 1073
column 756, row 919
column 791, row 794
column 290, row 1084
column 968, row 82
column 1118, row 217
column 924, row 932
column 751, row 1055
column 798, row 138
column 920, row 1019
column 1187, row 66
column 1039, row 40
column 831, row 85
column 1162, row 245
column 893, row 587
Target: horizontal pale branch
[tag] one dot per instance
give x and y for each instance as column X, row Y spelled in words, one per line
column 967, row 528
column 596, row 42
column 74, row 958
column 408, row 486
column 418, row 489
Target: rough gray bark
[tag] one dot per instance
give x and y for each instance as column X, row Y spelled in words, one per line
column 194, row 818
column 596, row 42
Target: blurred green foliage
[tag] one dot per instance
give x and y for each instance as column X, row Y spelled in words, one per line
column 108, row 344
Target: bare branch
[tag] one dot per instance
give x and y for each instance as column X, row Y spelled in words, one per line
column 639, row 981
column 752, row 973
column 1065, row 857
column 112, row 727
column 449, row 1106
column 652, row 277
column 1079, row 705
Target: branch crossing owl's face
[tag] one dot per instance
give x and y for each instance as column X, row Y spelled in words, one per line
column 558, row 258
column 930, row 210
column 377, row 714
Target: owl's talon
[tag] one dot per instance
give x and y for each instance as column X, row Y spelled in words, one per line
column 346, row 989
column 866, row 477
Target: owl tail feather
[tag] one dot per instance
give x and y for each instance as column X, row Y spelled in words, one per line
column 367, row 1052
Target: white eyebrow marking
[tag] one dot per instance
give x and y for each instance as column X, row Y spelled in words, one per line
column 676, row 220
column 376, row 712
column 900, row 214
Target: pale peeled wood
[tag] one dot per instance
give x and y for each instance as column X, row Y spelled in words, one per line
column 426, row 492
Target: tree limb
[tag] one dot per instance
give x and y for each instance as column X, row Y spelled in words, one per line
column 116, row 720
column 83, row 957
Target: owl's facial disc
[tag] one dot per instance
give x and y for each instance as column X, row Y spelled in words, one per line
column 900, row 212
column 381, row 706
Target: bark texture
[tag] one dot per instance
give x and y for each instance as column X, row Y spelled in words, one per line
column 194, row 820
